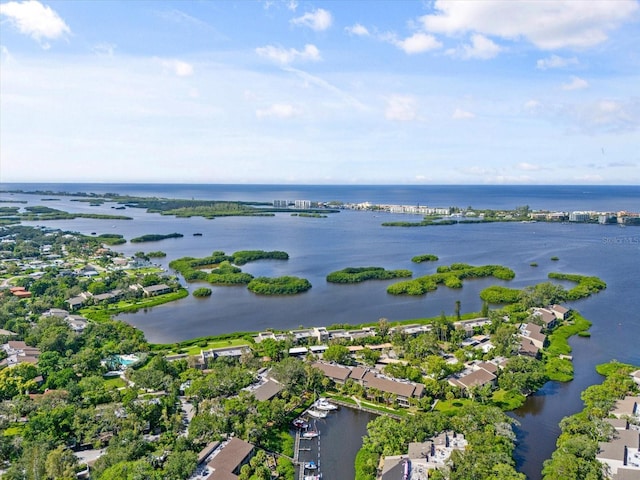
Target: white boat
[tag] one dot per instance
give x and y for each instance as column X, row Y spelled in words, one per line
column 324, row 404
column 316, row 413
column 310, row 434
column 310, row 465
column 312, row 477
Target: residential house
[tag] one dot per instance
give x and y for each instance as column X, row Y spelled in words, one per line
column 269, row 335
column 528, row 348
column 107, row 296
column 20, row 292
column 153, row 290
column 422, row 457
column 266, row 390
column 628, row 406
column 229, row 352
column 478, row 375
column 469, row 326
column 338, row 373
column 621, row 454
column 561, row 313
column 56, row 312
column 403, row 390
column 19, row 352
column 228, row 458
column 533, row 333
column 77, row 323
column 546, row 317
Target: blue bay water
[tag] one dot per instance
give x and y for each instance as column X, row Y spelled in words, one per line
column 318, row 246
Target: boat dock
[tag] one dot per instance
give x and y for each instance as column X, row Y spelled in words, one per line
column 306, row 447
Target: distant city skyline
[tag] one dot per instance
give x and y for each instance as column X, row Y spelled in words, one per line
column 324, row 92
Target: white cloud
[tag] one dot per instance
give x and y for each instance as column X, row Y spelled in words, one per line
column 605, row 116
column 576, row 83
column 481, row 48
column 5, row 56
column 286, row 56
column 548, row 25
column 38, row 21
column 416, row 43
column 292, row 5
column 460, row 114
column 317, row 20
column 529, row 167
column 401, row 108
column 555, row 61
column 278, row 110
column 357, row 29
column 105, row 49
column 177, row 67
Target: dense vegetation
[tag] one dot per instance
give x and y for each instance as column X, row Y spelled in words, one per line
column 202, row 292
column 545, row 293
column 111, row 239
column 154, row 237
column 286, row 285
column 450, row 276
column 498, row 294
column 40, row 213
column 585, row 285
column 245, row 256
column 221, row 268
column 360, row 274
column 487, row 429
column 424, row 258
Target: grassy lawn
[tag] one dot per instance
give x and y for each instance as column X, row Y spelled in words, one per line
column 450, row 407
column 508, row 399
column 143, row 271
column 115, row 382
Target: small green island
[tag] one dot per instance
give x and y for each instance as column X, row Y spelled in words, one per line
column 154, row 237
column 450, row 276
column 286, row 285
column 222, row 270
column 202, row 292
column 361, row 274
column 425, row 258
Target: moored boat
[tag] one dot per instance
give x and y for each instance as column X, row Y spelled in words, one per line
column 325, row 405
column 316, row 413
column 300, row 423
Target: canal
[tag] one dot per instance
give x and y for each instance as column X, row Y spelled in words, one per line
column 340, row 437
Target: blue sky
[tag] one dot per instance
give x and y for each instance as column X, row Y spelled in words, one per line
column 322, row 92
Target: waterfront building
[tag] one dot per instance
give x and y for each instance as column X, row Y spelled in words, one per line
column 579, row 216
column 421, row 457
column 302, row 204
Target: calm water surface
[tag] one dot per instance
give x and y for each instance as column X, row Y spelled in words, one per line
column 340, row 438
column 319, row 246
